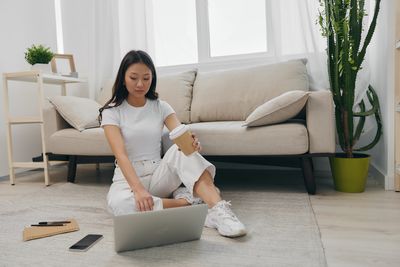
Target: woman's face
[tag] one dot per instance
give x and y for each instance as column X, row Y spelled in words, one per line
column 138, row 80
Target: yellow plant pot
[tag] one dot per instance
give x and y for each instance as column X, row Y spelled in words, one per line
column 350, row 174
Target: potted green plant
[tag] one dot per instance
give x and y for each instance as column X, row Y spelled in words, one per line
column 39, row 57
column 341, row 23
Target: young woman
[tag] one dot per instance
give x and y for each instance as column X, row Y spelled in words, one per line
column 133, row 120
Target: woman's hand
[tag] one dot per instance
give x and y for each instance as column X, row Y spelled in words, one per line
column 144, row 201
column 196, row 142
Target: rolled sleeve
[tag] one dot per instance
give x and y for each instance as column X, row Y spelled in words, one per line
column 110, row 117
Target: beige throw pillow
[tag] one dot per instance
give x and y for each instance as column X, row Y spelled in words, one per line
column 278, row 109
column 81, row 113
column 176, row 90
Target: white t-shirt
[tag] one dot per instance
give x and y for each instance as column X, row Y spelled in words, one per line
column 141, row 127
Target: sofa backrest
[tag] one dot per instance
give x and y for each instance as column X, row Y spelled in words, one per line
column 231, row 95
column 176, row 90
column 105, row 92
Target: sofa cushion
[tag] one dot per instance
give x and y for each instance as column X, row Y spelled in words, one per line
column 81, row 113
column 177, row 91
column 278, row 109
column 230, row 138
column 90, row 142
column 231, row 95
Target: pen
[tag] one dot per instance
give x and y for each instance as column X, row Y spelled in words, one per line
column 54, row 224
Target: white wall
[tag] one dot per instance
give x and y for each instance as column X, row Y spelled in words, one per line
column 23, row 23
column 381, row 52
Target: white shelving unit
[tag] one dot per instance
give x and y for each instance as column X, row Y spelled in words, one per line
column 34, row 76
column 397, row 119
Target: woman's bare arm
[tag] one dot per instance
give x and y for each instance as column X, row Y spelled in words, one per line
column 172, row 122
column 113, row 134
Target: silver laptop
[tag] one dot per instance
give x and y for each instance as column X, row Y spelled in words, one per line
column 156, row 228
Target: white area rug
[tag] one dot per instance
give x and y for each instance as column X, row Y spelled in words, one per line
column 282, row 231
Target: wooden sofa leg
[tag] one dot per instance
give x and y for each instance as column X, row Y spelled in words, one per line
column 71, row 169
column 309, row 180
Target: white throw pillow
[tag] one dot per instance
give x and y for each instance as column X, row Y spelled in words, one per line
column 81, row 113
column 278, row 109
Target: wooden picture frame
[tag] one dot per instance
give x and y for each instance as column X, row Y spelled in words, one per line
column 70, row 58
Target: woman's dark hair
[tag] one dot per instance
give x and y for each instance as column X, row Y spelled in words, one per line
column 119, row 91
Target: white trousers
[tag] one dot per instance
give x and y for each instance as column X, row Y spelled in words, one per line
column 160, row 177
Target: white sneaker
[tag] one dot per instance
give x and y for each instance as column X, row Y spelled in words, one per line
column 222, row 218
column 183, row 192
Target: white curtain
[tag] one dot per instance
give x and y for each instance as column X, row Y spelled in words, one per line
column 105, row 43
column 295, row 32
column 99, row 33
column 119, row 26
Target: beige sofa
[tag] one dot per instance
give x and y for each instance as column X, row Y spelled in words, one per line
column 215, row 104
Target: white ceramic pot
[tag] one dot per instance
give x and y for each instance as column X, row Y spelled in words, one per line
column 43, row 67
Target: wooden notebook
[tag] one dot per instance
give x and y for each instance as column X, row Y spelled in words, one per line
column 34, row 232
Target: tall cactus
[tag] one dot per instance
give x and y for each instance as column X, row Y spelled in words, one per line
column 341, row 23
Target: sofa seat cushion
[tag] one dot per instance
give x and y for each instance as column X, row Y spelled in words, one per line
column 90, row 142
column 230, row 138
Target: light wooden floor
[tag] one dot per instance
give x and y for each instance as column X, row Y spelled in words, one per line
column 361, row 229
column 358, row 229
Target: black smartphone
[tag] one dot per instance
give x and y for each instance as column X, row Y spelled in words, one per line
column 85, row 243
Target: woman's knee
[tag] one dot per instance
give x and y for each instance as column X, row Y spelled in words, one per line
column 206, row 177
column 121, row 206
column 172, row 154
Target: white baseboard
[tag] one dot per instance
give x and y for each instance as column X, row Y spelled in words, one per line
column 16, row 172
column 380, row 178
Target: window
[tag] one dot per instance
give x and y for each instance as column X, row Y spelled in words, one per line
column 239, row 29
column 174, row 29
column 194, row 31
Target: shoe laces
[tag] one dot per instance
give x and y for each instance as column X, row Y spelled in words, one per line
column 225, row 210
